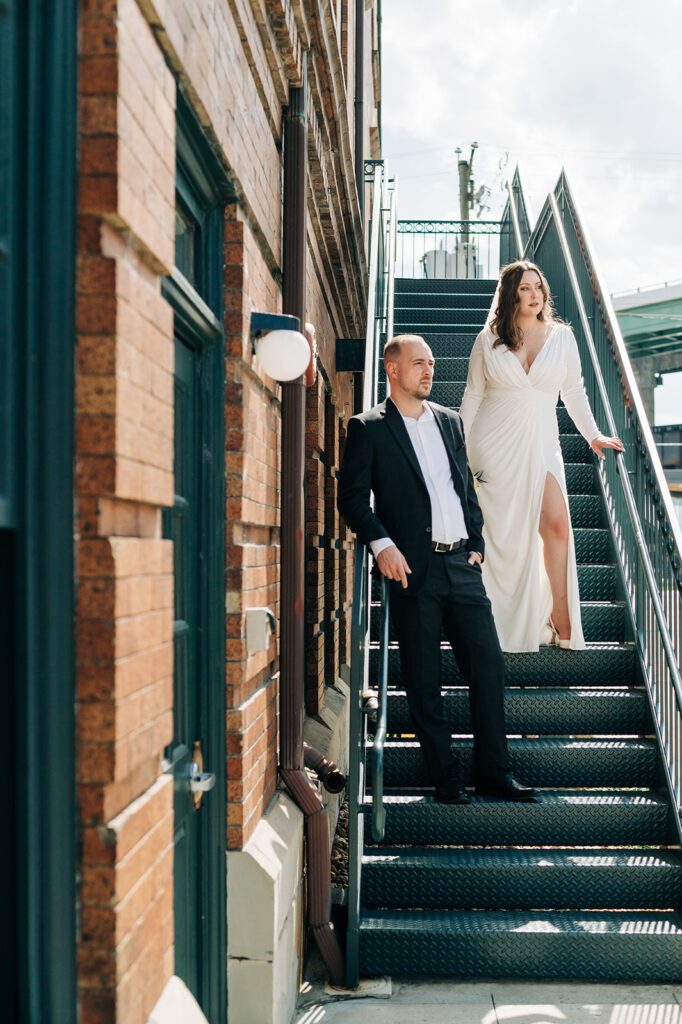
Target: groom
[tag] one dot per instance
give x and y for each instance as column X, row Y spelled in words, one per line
column 426, row 537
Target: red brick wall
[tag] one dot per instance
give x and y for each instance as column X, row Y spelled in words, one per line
column 252, row 442
column 123, row 476
column 236, row 69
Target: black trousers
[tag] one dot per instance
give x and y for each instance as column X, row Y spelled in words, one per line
column 453, row 597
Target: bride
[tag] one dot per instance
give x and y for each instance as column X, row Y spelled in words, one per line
column 520, row 363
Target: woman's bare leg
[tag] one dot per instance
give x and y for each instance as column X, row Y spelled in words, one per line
column 554, row 532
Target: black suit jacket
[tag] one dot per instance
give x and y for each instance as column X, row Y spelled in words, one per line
column 379, row 457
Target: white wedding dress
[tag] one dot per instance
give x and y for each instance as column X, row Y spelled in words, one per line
column 512, row 437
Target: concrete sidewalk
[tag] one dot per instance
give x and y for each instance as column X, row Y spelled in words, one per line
column 442, row 1001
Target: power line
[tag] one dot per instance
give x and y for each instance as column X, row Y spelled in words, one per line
column 661, row 155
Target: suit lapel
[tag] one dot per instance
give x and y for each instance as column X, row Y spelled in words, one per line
column 395, row 423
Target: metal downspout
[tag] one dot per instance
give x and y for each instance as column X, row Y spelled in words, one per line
column 360, row 103
column 292, row 639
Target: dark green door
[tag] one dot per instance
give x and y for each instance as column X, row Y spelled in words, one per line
column 195, row 524
column 185, row 532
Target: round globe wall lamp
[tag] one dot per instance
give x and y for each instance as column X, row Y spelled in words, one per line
column 282, row 351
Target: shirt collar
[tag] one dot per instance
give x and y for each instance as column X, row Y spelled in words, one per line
column 425, row 417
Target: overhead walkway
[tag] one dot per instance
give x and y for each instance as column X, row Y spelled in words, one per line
column 650, row 320
column 587, row 881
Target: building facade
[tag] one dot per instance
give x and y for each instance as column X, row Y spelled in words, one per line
column 144, row 221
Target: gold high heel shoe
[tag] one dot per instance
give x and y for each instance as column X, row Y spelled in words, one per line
column 556, row 640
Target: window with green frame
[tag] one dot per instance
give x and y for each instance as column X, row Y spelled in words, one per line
column 202, row 191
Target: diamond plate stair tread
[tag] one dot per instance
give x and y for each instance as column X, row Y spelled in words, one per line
column 556, row 818
column 450, row 879
column 441, row 300
column 559, row 944
column 574, row 448
column 420, row 307
column 580, row 478
column 601, row 620
column 545, row 711
column 597, row 582
column 586, row 510
column 472, row 318
column 599, row 665
column 455, row 344
column 544, row 762
column 564, row 421
column 592, row 545
column 471, row 922
column 451, row 285
column 448, row 393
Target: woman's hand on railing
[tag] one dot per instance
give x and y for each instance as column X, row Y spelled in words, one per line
column 602, row 442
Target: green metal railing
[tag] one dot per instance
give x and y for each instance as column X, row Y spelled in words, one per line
column 642, row 521
column 515, row 225
column 646, row 535
column 379, row 323
column 448, row 248
column 378, row 809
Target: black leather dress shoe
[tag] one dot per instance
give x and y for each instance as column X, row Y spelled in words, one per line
column 449, row 790
column 506, row 787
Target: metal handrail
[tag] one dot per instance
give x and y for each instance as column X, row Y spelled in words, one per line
column 378, row 290
column 635, row 398
column 378, row 809
column 515, row 218
column 368, row 382
column 635, row 520
column 448, row 248
column 416, row 227
column 392, row 232
column 356, row 781
column 654, row 641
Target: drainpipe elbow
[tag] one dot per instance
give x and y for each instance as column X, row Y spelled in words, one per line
column 331, row 777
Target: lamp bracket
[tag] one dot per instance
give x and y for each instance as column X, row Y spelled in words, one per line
column 262, row 323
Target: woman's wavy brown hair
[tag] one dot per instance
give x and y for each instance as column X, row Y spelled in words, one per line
column 505, row 319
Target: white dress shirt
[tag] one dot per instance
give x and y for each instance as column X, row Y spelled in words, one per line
column 447, row 515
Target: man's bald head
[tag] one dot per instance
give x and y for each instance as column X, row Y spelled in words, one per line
column 394, row 347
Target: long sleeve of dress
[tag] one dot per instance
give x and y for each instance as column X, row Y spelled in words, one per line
column 573, row 391
column 476, row 386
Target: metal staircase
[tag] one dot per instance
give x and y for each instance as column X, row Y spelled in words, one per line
column 586, row 882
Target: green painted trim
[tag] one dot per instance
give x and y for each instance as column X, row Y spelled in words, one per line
column 7, row 192
column 41, row 267
column 191, row 312
column 199, row 159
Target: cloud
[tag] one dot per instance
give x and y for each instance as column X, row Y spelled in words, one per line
column 592, row 84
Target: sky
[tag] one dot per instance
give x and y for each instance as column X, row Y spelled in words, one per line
column 594, row 86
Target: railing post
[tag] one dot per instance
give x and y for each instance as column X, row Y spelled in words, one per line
column 356, row 779
column 378, row 290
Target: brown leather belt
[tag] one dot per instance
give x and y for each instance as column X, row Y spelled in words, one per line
column 444, row 549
